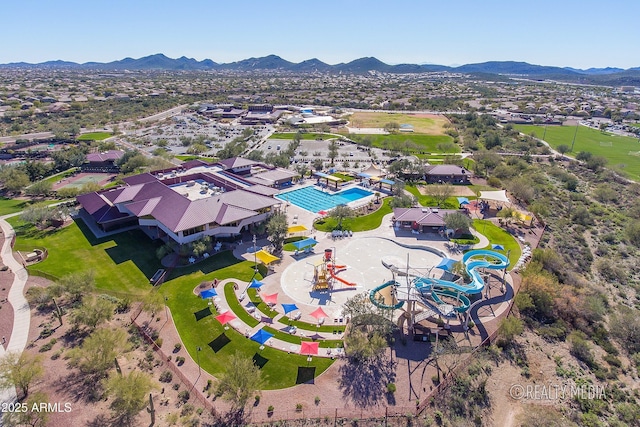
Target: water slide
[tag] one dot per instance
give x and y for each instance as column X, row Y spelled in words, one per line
column 332, row 274
column 472, row 260
column 377, row 289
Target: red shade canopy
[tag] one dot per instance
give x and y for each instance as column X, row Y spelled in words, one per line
column 308, row 347
column 319, row 313
column 225, row 317
column 270, row 299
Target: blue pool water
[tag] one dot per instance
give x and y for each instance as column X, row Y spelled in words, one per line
column 314, row 200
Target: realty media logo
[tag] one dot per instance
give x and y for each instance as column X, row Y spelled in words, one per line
column 556, row 392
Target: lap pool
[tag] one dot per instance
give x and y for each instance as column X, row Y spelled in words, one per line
column 314, row 200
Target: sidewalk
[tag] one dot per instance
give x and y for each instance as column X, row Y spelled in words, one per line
column 17, row 341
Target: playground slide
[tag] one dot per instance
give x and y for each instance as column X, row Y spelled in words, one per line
column 377, row 303
column 332, row 273
column 336, row 268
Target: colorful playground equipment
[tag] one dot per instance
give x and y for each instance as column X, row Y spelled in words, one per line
column 325, row 272
column 441, row 291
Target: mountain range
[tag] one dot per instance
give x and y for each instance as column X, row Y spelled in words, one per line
column 361, row 65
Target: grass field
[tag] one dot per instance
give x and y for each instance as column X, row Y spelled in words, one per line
column 422, row 144
column 117, row 266
column 361, row 223
column 498, row 236
column 9, row 206
column 433, row 125
column 616, row 149
column 188, row 157
column 94, row 136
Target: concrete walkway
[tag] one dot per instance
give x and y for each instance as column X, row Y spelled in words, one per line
column 17, row 341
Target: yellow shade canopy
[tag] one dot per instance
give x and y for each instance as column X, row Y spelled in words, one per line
column 265, row 257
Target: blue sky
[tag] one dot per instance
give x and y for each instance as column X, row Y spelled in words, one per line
column 572, row 33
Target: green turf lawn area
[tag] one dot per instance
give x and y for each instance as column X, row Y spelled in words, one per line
column 635, row 125
column 424, row 143
column 361, row 223
column 188, row 157
column 343, row 177
column 498, row 236
column 94, row 136
column 424, row 200
column 587, row 139
column 279, row 369
column 433, row 125
column 122, row 263
column 9, row 206
column 305, row 136
column 64, row 174
column 288, row 245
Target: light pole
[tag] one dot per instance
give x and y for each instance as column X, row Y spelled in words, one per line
column 255, row 256
column 198, row 349
column 574, row 136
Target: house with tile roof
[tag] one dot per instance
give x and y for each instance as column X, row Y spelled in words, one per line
column 452, row 174
column 183, row 204
column 421, row 219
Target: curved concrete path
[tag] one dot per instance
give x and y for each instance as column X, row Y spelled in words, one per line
column 17, row 341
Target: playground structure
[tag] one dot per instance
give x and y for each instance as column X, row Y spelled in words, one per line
column 326, row 272
column 437, row 296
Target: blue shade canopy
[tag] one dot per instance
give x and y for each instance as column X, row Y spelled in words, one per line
column 288, row 308
column 261, row 336
column 463, row 201
column 302, row 244
column 209, row 293
column 446, row 264
column 255, row 284
column 497, row 247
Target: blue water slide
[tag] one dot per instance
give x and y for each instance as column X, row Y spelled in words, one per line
column 377, row 303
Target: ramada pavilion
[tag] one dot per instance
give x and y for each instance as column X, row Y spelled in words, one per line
column 195, row 200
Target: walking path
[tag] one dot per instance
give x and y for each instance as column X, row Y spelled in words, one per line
column 17, row 341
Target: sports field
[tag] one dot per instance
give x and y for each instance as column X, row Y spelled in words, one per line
column 94, row 136
column 422, row 123
column 81, row 179
column 622, row 152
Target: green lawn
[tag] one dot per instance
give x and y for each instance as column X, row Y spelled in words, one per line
column 218, row 345
column 122, row 264
column 423, row 143
column 424, row 200
column 498, row 236
column 361, row 223
column 64, row 174
column 622, row 152
column 305, row 136
column 188, row 157
column 9, row 206
column 343, row 177
column 95, row 136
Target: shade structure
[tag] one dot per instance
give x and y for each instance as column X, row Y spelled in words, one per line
column 463, row 201
column 498, row 196
column 497, row 247
column 261, row 336
column 265, row 257
column 209, row 293
column 322, row 212
column 255, row 284
column 288, row 308
column 270, row 299
column 225, row 317
column 297, row 229
column 308, row 347
column 446, row 264
column 306, row 243
column 319, row 313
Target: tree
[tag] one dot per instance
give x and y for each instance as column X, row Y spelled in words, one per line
column 98, row 351
column 13, row 178
column 38, row 214
column 277, row 228
column 40, row 188
column 318, row 164
column 457, row 221
column 77, row 284
column 369, row 329
column 240, row 380
column 29, row 417
column 392, row 127
column 563, row 148
column 510, row 327
column 130, row 394
column 340, row 213
column 440, row 192
column 92, row 312
column 20, row 370
column 333, row 150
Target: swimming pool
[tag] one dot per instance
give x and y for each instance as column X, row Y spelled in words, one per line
column 314, row 200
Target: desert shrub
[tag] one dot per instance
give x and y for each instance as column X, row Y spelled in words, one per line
column 166, row 377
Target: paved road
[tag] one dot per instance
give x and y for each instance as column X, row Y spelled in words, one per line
column 29, row 136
